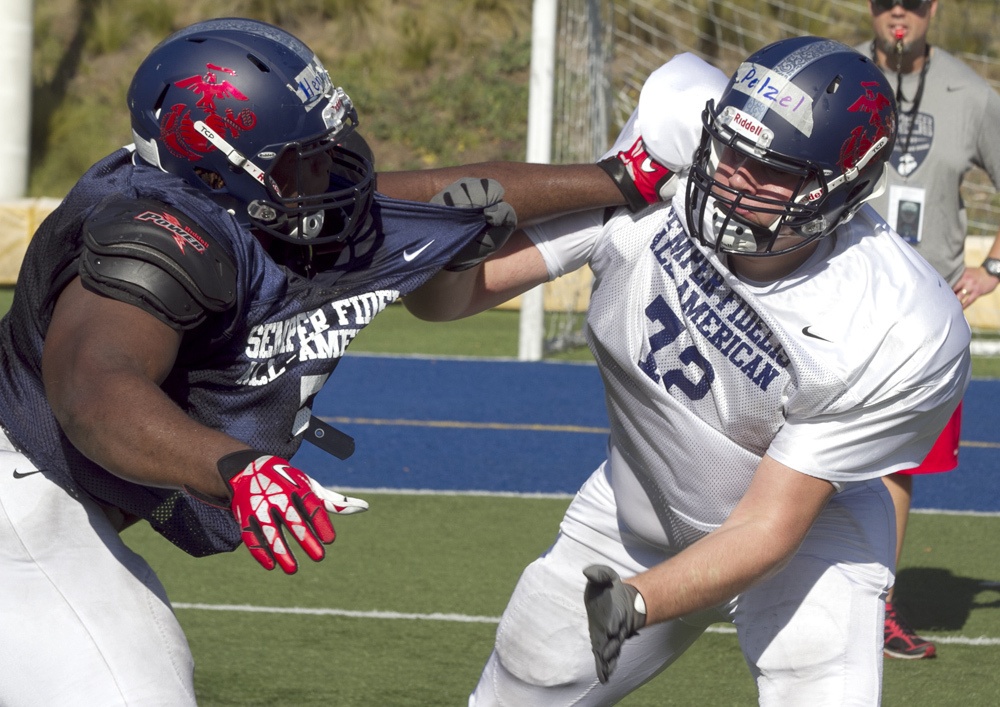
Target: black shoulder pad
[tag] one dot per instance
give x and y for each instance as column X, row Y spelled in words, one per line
column 153, row 256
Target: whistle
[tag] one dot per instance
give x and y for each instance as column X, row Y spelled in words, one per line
column 899, row 32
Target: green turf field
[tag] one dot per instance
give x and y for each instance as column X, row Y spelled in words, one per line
column 417, row 556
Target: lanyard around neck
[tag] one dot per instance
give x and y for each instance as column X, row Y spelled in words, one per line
column 917, row 97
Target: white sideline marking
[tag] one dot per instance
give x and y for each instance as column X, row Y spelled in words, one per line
column 361, row 490
column 460, row 618
column 954, row 640
column 466, row 619
column 984, row 347
column 946, row 512
column 965, row 641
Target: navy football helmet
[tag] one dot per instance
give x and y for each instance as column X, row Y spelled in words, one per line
column 247, row 113
column 809, row 107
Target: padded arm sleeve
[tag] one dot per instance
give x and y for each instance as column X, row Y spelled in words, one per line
column 154, row 257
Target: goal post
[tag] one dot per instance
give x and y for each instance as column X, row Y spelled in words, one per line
column 531, row 336
column 15, row 97
column 568, row 121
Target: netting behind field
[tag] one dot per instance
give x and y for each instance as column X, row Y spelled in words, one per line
column 606, row 48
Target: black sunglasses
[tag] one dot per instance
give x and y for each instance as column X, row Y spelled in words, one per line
column 911, row 5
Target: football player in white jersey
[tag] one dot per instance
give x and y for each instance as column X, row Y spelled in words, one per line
column 770, row 349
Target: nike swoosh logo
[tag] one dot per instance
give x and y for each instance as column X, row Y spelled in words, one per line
column 283, row 470
column 22, row 474
column 805, row 330
column 647, row 165
column 410, row 255
column 951, row 89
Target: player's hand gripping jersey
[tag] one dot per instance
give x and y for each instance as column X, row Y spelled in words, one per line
column 707, row 373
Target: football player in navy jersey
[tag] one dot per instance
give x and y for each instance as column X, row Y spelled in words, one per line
column 173, row 320
column 770, row 349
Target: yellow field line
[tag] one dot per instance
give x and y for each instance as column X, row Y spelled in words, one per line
column 980, row 445
column 455, row 424
column 459, row 425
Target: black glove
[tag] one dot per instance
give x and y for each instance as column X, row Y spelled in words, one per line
column 475, row 192
column 641, row 179
column 615, row 611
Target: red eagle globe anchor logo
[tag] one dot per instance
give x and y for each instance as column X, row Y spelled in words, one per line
column 177, row 129
column 861, row 140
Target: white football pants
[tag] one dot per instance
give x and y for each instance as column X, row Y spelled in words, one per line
column 811, row 635
column 83, row 619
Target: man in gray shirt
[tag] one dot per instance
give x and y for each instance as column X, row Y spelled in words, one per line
column 947, row 119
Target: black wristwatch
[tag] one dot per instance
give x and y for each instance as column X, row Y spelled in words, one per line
column 992, row 267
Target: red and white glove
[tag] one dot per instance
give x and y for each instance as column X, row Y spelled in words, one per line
column 640, row 178
column 268, row 493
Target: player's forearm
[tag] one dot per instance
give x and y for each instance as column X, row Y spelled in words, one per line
column 102, row 367
column 711, row 572
column 536, row 191
column 512, row 271
column 446, row 296
column 755, row 541
column 137, row 433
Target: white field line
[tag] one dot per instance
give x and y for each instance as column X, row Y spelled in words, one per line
column 465, row 618
column 394, row 615
column 360, row 490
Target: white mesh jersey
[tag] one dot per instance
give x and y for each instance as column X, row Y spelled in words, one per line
column 846, row 370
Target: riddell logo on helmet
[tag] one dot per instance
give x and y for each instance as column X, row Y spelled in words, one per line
column 177, row 129
column 748, row 126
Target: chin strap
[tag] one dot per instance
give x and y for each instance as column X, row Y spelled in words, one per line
column 733, row 236
column 235, row 157
column 851, row 173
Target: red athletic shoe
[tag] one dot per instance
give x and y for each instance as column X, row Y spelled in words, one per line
column 901, row 641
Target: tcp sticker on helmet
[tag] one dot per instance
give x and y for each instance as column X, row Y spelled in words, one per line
column 777, row 93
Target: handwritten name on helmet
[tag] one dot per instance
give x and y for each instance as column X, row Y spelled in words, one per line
column 777, row 93
column 312, row 85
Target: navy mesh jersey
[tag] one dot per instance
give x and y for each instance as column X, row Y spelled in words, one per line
column 252, row 371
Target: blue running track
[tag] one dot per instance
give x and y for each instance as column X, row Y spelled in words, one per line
column 509, row 426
